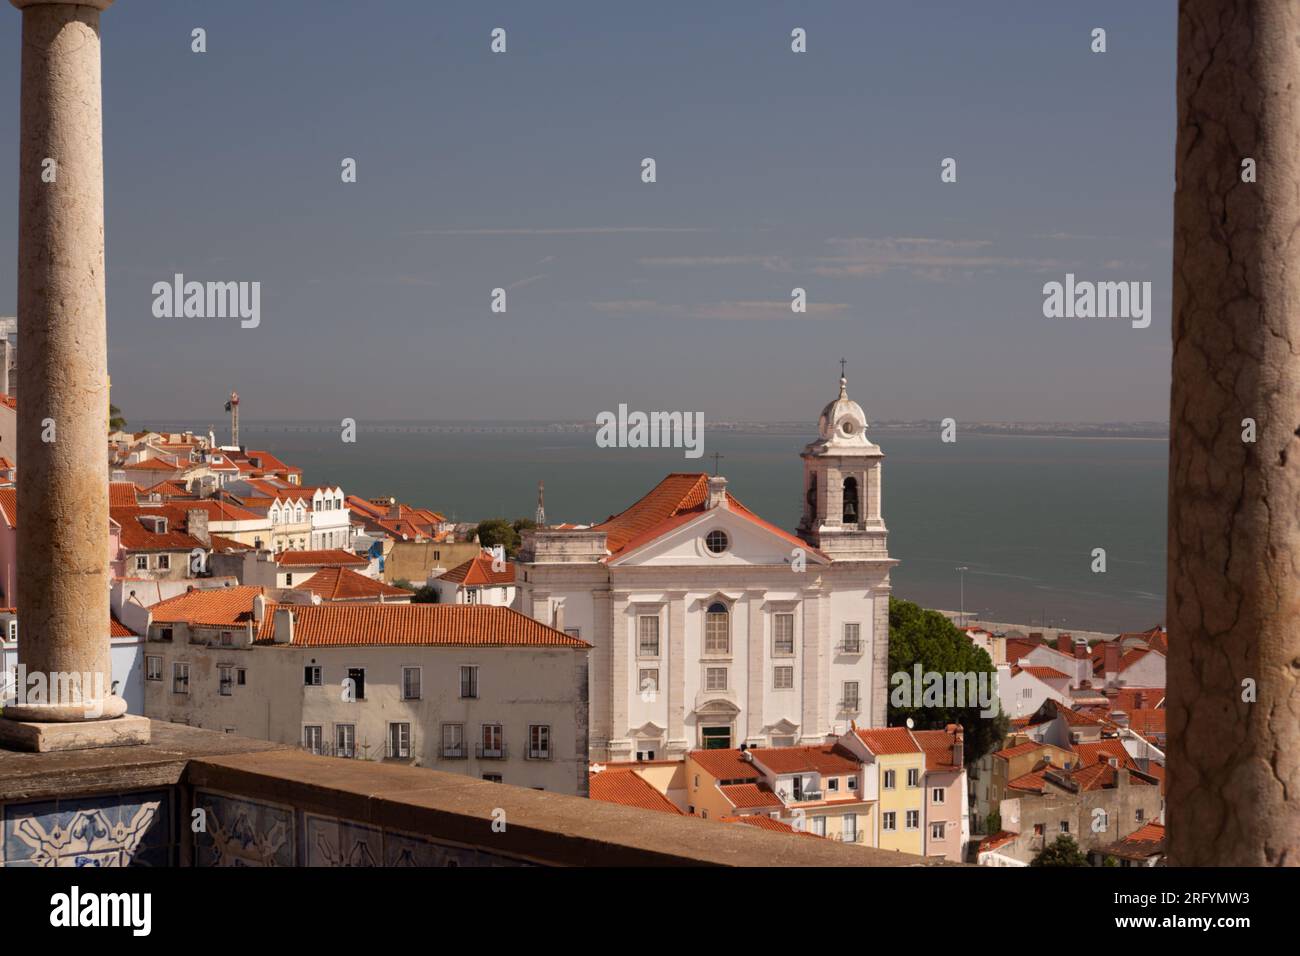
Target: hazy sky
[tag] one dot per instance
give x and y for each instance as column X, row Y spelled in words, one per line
column 523, row 171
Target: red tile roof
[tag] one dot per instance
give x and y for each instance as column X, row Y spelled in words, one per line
column 1042, row 673
column 1032, row 781
column 9, row 506
column 750, row 796
column 212, row 607
column 152, row 464
column 1017, row 750
column 1099, row 751
column 679, row 498
column 478, row 570
column 823, row 759
column 137, row 536
column 888, row 740
column 1001, row 838
column 725, row 764
column 629, row 789
column 117, row 629
column 937, row 745
column 342, row 584
column 462, row 625
column 326, row 558
column 122, row 494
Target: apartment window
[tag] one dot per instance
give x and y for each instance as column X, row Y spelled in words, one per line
column 164, row 562
column 833, row 784
column 937, row 830
column 153, row 668
column 180, row 678
column 797, row 783
column 717, row 630
column 850, row 695
column 288, row 580
column 913, row 819
column 571, row 631
column 471, row 595
column 937, row 795
column 853, row 783
column 1139, row 814
column 357, row 681
column 913, row 777
column 469, row 682
column 889, row 821
column 783, row 635
column 648, row 680
column 819, row 826
column 889, row 779
column 539, row 741
column 1104, row 819
column 1065, row 826
column 241, row 676
column 227, row 639
column 166, row 634
column 453, row 741
column 493, row 745
column 225, row 679
column 345, row 740
column 142, row 562
column 410, row 683
column 648, row 635
column 849, row 828
column 783, row 678
column 852, row 638
column 312, row 738
column 399, row 740
column 715, row 678
column 311, row 675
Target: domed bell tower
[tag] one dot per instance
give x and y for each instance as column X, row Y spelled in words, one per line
column 841, row 483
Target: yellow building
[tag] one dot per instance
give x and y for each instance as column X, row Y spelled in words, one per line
column 897, row 762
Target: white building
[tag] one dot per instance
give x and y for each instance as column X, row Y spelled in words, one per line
column 712, row 627
column 483, row 579
column 331, row 520
column 477, row 690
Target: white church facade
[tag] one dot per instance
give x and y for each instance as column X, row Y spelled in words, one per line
column 714, row 628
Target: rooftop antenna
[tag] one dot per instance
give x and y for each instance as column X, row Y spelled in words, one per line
column 716, row 456
column 232, row 406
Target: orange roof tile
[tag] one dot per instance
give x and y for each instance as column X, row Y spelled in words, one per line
column 463, row 625
column 888, row 740
column 1041, row 672
column 1001, row 838
column 750, row 796
column 478, row 570
column 213, row 607
column 725, row 764
column 9, row 506
column 326, row 558
column 629, row 790
column 938, row 745
column 824, row 759
column 122, row 494
column 342, row 584
column 1099, row 751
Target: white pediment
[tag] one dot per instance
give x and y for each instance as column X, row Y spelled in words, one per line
column 748, row 544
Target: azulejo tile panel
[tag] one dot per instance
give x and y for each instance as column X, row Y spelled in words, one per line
column 121, row 829
column 235, row 831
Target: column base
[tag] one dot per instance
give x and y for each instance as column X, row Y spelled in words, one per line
column 51, row 736
column 80, row 713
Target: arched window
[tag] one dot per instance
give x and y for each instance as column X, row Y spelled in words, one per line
column 717, row 629
column 850, row 501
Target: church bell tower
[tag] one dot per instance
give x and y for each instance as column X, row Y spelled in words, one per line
column 841, row 485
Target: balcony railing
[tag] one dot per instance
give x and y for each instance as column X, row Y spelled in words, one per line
column 453, row 752
column 484, row 752
column 849, row 647
column 541, row 753
column 851, row 705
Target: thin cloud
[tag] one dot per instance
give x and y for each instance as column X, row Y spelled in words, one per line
column 571, row 231
column 519, row 284
column 729, row 310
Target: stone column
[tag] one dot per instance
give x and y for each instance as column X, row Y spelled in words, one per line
column 1234, row 521
column 756, row 669
column 676, row 744
column 63, row 568
column 812, row 726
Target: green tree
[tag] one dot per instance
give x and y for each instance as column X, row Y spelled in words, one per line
column 1064, row 852
column 993, row 823
column 116, row 422
column 425, row 595
column 918, row 636
column 498, row 531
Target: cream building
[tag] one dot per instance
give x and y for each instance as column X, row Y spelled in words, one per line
column 482, row 691
column 712, row 627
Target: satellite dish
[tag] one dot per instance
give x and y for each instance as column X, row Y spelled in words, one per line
column 909, row 723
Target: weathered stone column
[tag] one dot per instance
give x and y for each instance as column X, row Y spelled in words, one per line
column 1234, row 504
column 63, row 572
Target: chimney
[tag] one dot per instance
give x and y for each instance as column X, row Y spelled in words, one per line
column 1080, row 649
column 196, row 523
column 1111, row 659
column 283, row 626
column 717, row 492
column 1139, row 700
column 958, row 746
column 259, row 608
column 1063, row 643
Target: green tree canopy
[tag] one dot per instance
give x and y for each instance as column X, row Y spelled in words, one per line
column 494, row 531
column 930, row 639
column 116, row 422
column 1063, row 852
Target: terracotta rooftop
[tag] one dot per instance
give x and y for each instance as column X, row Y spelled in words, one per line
column 823, row 759
column 937, row 745
column 343, row 584
column 725, row 764
column 463, row 625
column 326, row 558
column 629, row 789
column 215, row 607
column 888, row 740
column 750, row 796
column 478, row 570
